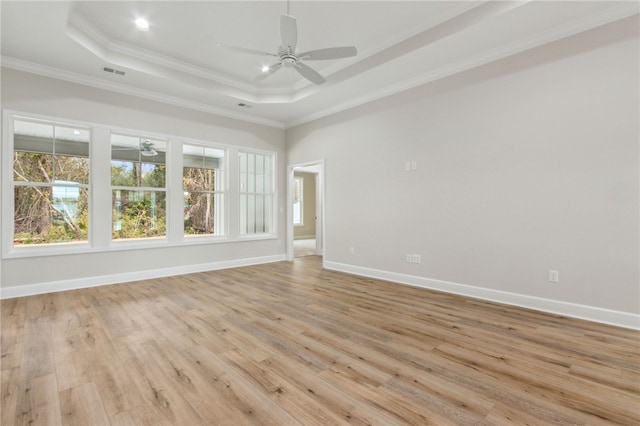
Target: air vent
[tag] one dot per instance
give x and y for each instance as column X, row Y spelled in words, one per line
column 241, row 105
column 112, row 71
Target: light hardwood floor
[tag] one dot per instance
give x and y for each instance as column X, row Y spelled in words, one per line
column 290, row 343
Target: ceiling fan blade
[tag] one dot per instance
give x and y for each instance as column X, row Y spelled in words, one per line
column 246, row 50
column 272, row 68
column 329, row 53
column 309, row 73
column 289, row 32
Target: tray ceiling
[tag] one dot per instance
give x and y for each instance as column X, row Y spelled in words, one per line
column 400, row 45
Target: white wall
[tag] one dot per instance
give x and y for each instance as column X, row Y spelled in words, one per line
column 524, row 165
column 40, row 95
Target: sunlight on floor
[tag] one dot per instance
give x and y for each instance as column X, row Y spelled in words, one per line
column 304, row 247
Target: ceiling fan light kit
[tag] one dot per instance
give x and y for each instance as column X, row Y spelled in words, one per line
column 288, row 58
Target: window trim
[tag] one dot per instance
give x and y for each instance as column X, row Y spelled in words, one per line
column 99, row 239
column 143, row 135
column 203, row 238
column 7, row 227
column 273, row 232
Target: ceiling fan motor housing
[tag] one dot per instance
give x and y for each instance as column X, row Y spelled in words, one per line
column 288, row 60
column 287, row 57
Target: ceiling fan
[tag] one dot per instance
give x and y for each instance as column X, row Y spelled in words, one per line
column 146, row 148
column 287, row 56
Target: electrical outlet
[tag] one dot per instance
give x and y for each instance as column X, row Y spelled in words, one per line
column 554, row 276
column 413, row 258
column 414, row 165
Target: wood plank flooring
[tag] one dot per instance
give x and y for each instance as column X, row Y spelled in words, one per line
column 293, row 344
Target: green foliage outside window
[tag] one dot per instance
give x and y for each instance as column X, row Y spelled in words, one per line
column 137, row 174
column 203, row 189
column 199, row 200
column 49, row 204
column 138, row 214
column 138, row 184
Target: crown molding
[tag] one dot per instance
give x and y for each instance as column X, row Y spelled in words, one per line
column 431, row 21
column 117, row 53
column 151, row 62
column 625, row 10
column 89, row 36
column 56, row 73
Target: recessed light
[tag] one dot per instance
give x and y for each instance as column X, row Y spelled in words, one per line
column 142, row 24
column 265, row 68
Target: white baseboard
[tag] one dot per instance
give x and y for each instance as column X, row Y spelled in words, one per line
column 54, row 286
column 590, row 313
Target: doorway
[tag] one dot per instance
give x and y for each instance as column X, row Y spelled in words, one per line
column 305, row 218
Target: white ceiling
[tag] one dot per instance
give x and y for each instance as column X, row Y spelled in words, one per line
column 400, row 45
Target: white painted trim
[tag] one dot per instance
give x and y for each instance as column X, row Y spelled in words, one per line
column 514, row 47
column 590, row 313
column 289, row 214
column 151, row 62
column 116, row 52
column 320, row 201
column 125, row 89
column 174, row 238
column 78, row 283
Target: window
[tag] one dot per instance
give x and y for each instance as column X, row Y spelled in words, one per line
column 69, row 187
column 204, row 190
column 50, row 183
column 298, row 185
column 256, row 193
column 138, row 185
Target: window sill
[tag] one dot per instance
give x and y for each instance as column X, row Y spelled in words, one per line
column 257, row 237
column 60, row 249
column 202, row 239
column 125, row 245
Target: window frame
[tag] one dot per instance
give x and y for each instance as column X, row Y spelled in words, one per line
column 273, row 224
column 225, row 192
column 8, row 185
column 100, row 207
column 143, row 189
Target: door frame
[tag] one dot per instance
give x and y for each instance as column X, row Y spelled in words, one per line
column 316, row 167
